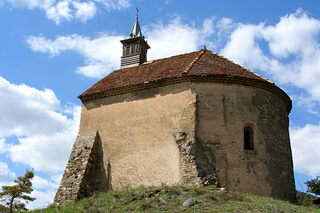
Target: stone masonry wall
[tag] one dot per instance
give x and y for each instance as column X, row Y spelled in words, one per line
column 84, row 172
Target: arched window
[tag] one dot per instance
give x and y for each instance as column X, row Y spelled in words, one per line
column 248, row 138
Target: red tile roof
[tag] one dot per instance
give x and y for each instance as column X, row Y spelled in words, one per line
column 203, row 64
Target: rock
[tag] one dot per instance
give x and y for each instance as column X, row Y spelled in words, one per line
column 221, row 189
column 190, row 202
column 179, row 136
column 162, row 201
column 269, row 206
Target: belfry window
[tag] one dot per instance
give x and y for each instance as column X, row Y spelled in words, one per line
column 248, row 138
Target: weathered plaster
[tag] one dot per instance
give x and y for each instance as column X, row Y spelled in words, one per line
column 222, row 113
column 137, row 134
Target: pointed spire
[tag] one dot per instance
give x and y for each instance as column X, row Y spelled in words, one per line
column 136, row 31
column 135, row 47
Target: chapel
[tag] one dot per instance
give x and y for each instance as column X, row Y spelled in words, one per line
column 193, row 119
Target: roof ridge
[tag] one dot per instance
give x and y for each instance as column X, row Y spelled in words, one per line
column 221, row 56
column 176, row 55
column 159, row 59
column 194, row 61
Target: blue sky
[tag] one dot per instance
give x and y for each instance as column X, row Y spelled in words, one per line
column 52, row 50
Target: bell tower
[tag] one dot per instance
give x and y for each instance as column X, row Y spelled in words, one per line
column 134, row 49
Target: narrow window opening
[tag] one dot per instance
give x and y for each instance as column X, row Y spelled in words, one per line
column 131, row 49
column 128, row 50
column 248, row 138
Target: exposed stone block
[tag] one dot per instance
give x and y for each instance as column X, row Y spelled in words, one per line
column 82, row 171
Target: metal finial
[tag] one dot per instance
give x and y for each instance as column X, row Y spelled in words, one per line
column 137, row 11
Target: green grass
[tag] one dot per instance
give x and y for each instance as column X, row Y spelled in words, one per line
column 170, row 199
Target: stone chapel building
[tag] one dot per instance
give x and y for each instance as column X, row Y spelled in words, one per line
column 192, row 119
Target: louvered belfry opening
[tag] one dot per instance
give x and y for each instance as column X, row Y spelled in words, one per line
column 134, row 48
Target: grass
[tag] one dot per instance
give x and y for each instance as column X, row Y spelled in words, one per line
column 170, row 199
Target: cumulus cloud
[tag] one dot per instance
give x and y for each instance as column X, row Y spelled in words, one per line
column 84, row 10
column 295, row 33
column 293, row 56
column 6, row 176
column 30, row 4
column 40, row 183
column 114, row 4
column 26, row 109
column 45, row 130
column 43, row 199
column 59, row 10
column 306, row 148
column 176, row 37
column 102, row 54
column 3, row 145
column 48, row 153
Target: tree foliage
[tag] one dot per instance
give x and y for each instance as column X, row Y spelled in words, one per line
column 314, row 185
column 16, row 194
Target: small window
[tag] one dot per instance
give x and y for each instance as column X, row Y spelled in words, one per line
column 248, row 138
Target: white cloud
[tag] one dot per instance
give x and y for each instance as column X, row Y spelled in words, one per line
column 243, row 40
column 6, row 176
column 60, row 10
column 102, row 54
column 114, row 4
column 84, row 10
column 27, row 109
column 31, row 4
column 43, row 199
column 3, row 145
column 56, row 179
column 41, row 184
column 44, row 131
column 294, row 38
column 306, row 148
column 47, row 152
column 176, row 37
column 293, row 34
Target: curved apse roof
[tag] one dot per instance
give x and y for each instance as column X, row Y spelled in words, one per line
column 199, row 66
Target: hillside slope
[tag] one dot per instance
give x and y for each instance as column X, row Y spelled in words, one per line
column 170, row 199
